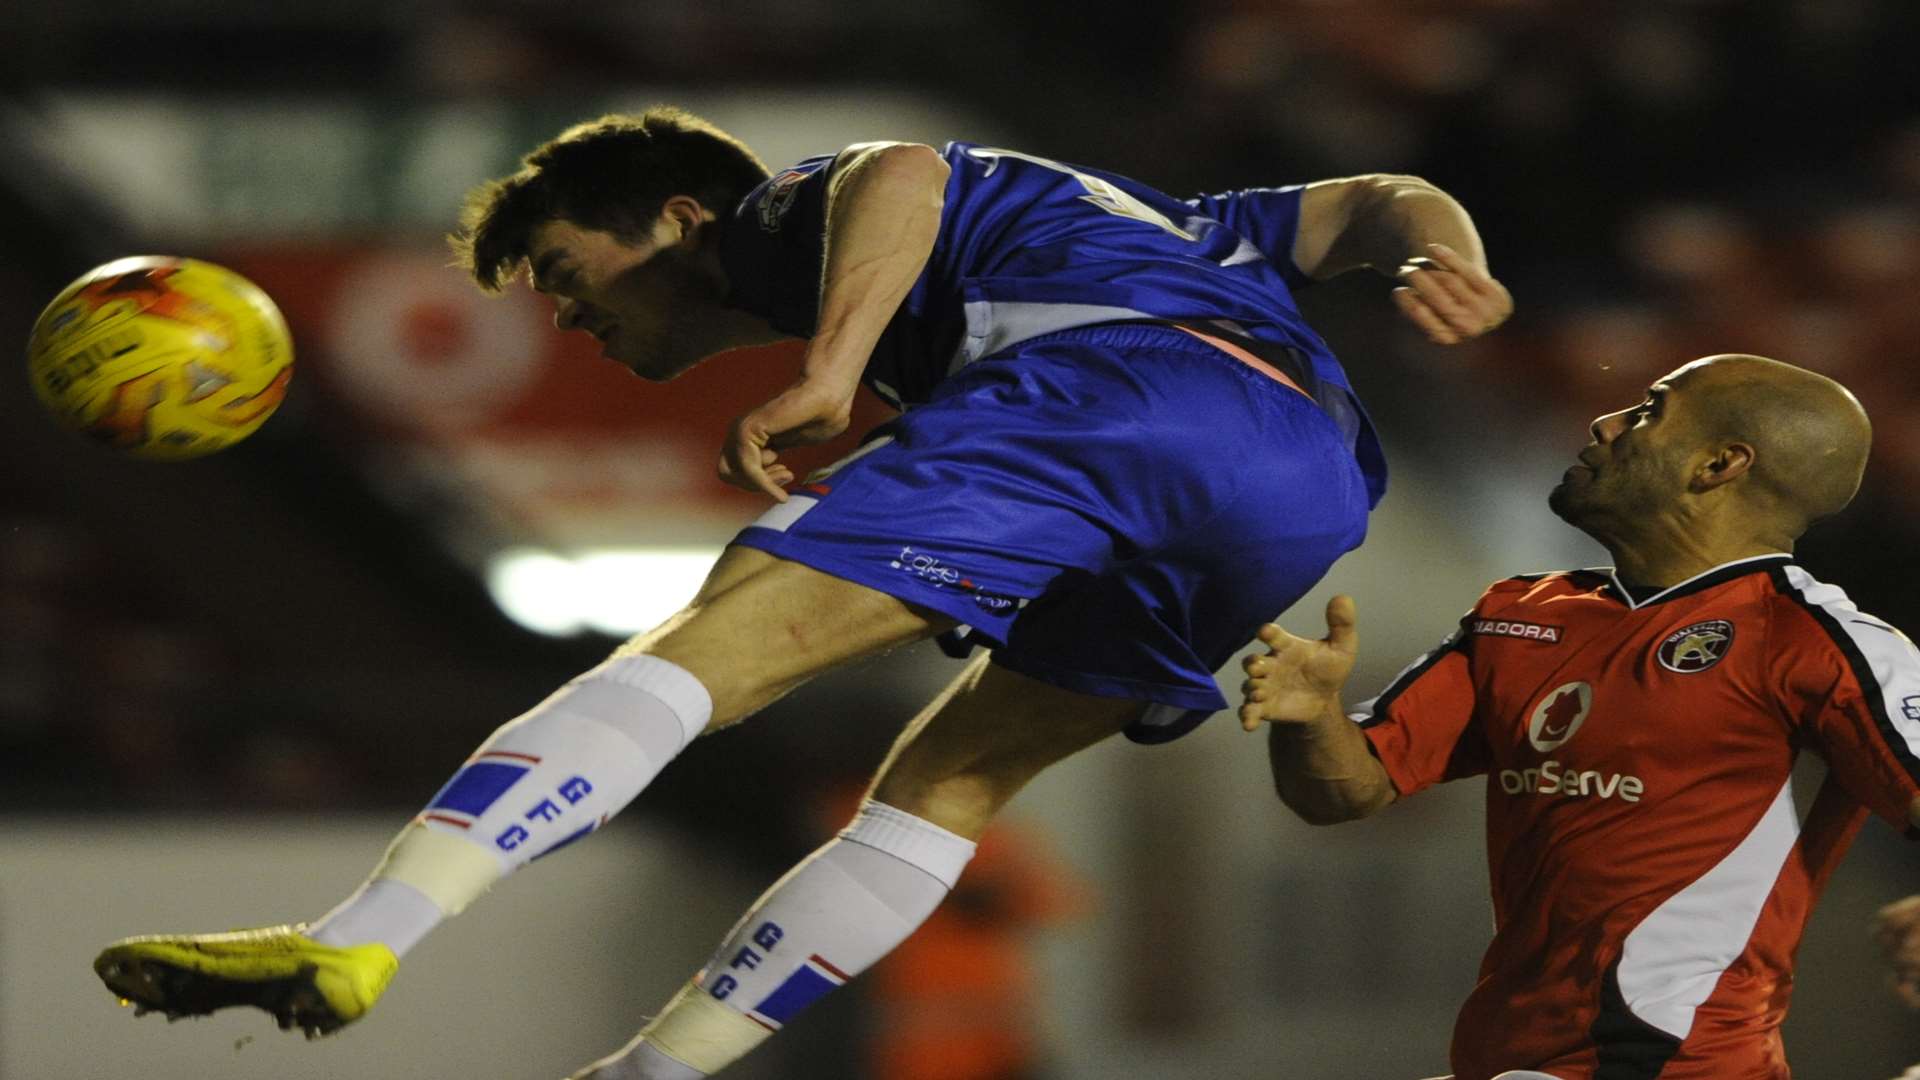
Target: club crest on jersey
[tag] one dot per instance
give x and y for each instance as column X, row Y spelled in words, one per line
column 1559, row 715
column 778, row 198
column 1696, row 648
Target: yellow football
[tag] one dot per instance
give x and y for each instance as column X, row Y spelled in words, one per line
column 161, row 357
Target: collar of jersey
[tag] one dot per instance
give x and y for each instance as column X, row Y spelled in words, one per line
column 1706, row 579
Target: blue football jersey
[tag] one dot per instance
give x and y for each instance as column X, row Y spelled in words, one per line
column 1029, row 246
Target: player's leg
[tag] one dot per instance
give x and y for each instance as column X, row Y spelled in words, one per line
column 568, row 757
column 1245, row 512
column 760, row 627
column 856, row 898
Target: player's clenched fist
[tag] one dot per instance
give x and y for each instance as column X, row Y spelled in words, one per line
column 1897, row 929
column 1298, row 680
column 810, row 411
column 1449, row 297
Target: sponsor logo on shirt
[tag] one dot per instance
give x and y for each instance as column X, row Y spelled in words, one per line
column 1910, row 707
column 1693, row 649
column 777, row 199
column 1553, row 778
column 1555, row 720
column 1559, row 714
column 1527, row 630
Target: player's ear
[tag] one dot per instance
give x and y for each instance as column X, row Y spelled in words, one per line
column 1724, row 465
column 686, row 218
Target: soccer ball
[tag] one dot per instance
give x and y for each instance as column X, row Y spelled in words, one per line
column 161, row 357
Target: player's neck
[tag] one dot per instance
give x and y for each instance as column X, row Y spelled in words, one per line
column 1681, row 541
column 729, row 327
column 1665, row 564
column 733, row 328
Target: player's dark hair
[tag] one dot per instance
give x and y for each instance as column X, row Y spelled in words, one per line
column 612, row 174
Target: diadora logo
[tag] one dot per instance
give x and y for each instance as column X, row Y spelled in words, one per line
column 1696, row 648
column 1506, row 628
column 1559, row 715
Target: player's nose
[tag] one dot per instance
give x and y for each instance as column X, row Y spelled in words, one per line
column 1604, row 428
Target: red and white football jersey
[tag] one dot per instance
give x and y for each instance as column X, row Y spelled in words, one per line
column 1652, row 863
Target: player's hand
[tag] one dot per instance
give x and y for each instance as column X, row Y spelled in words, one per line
column 1296, row 679
column 810, row 411
column 1896, row 928
column 1449, row 298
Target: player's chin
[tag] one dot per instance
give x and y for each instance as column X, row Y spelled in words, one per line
column 1565, row 502
column 665, row 364
column 651, row 366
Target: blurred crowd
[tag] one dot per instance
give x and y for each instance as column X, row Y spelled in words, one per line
column 1659, row 181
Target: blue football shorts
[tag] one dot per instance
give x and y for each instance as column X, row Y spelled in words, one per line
column 1113, row 509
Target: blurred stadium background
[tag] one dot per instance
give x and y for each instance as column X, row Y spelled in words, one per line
column 223, row 684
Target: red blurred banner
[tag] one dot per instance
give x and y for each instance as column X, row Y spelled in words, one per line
column 480, row 395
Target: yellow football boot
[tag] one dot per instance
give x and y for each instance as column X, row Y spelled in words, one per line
column 316, row 988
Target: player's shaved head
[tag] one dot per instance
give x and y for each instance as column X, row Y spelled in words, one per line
column 1726, row 456
column 1809, row 435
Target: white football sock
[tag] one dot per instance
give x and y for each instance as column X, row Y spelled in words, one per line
column 843, row 908
column 639, row 1061
column 384, row 910
column 544, row 780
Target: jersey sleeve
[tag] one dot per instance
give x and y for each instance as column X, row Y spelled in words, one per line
column 1422, row 727
column 774, row 246
column 1852, row 684
column 1268, row 217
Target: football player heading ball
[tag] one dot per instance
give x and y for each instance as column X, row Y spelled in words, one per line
column 1126, row 449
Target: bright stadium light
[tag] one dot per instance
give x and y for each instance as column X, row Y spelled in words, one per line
column 637, row 588
column 614, row 591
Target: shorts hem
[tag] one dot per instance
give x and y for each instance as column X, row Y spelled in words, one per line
column 954, row 605
column 1111, row 686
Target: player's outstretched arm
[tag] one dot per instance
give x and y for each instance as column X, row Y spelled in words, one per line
column 1406, row 228
column 883, row 214
column 1322, row 767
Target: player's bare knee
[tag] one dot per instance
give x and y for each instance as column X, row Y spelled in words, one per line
column 963, row 803
column 735, row 565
